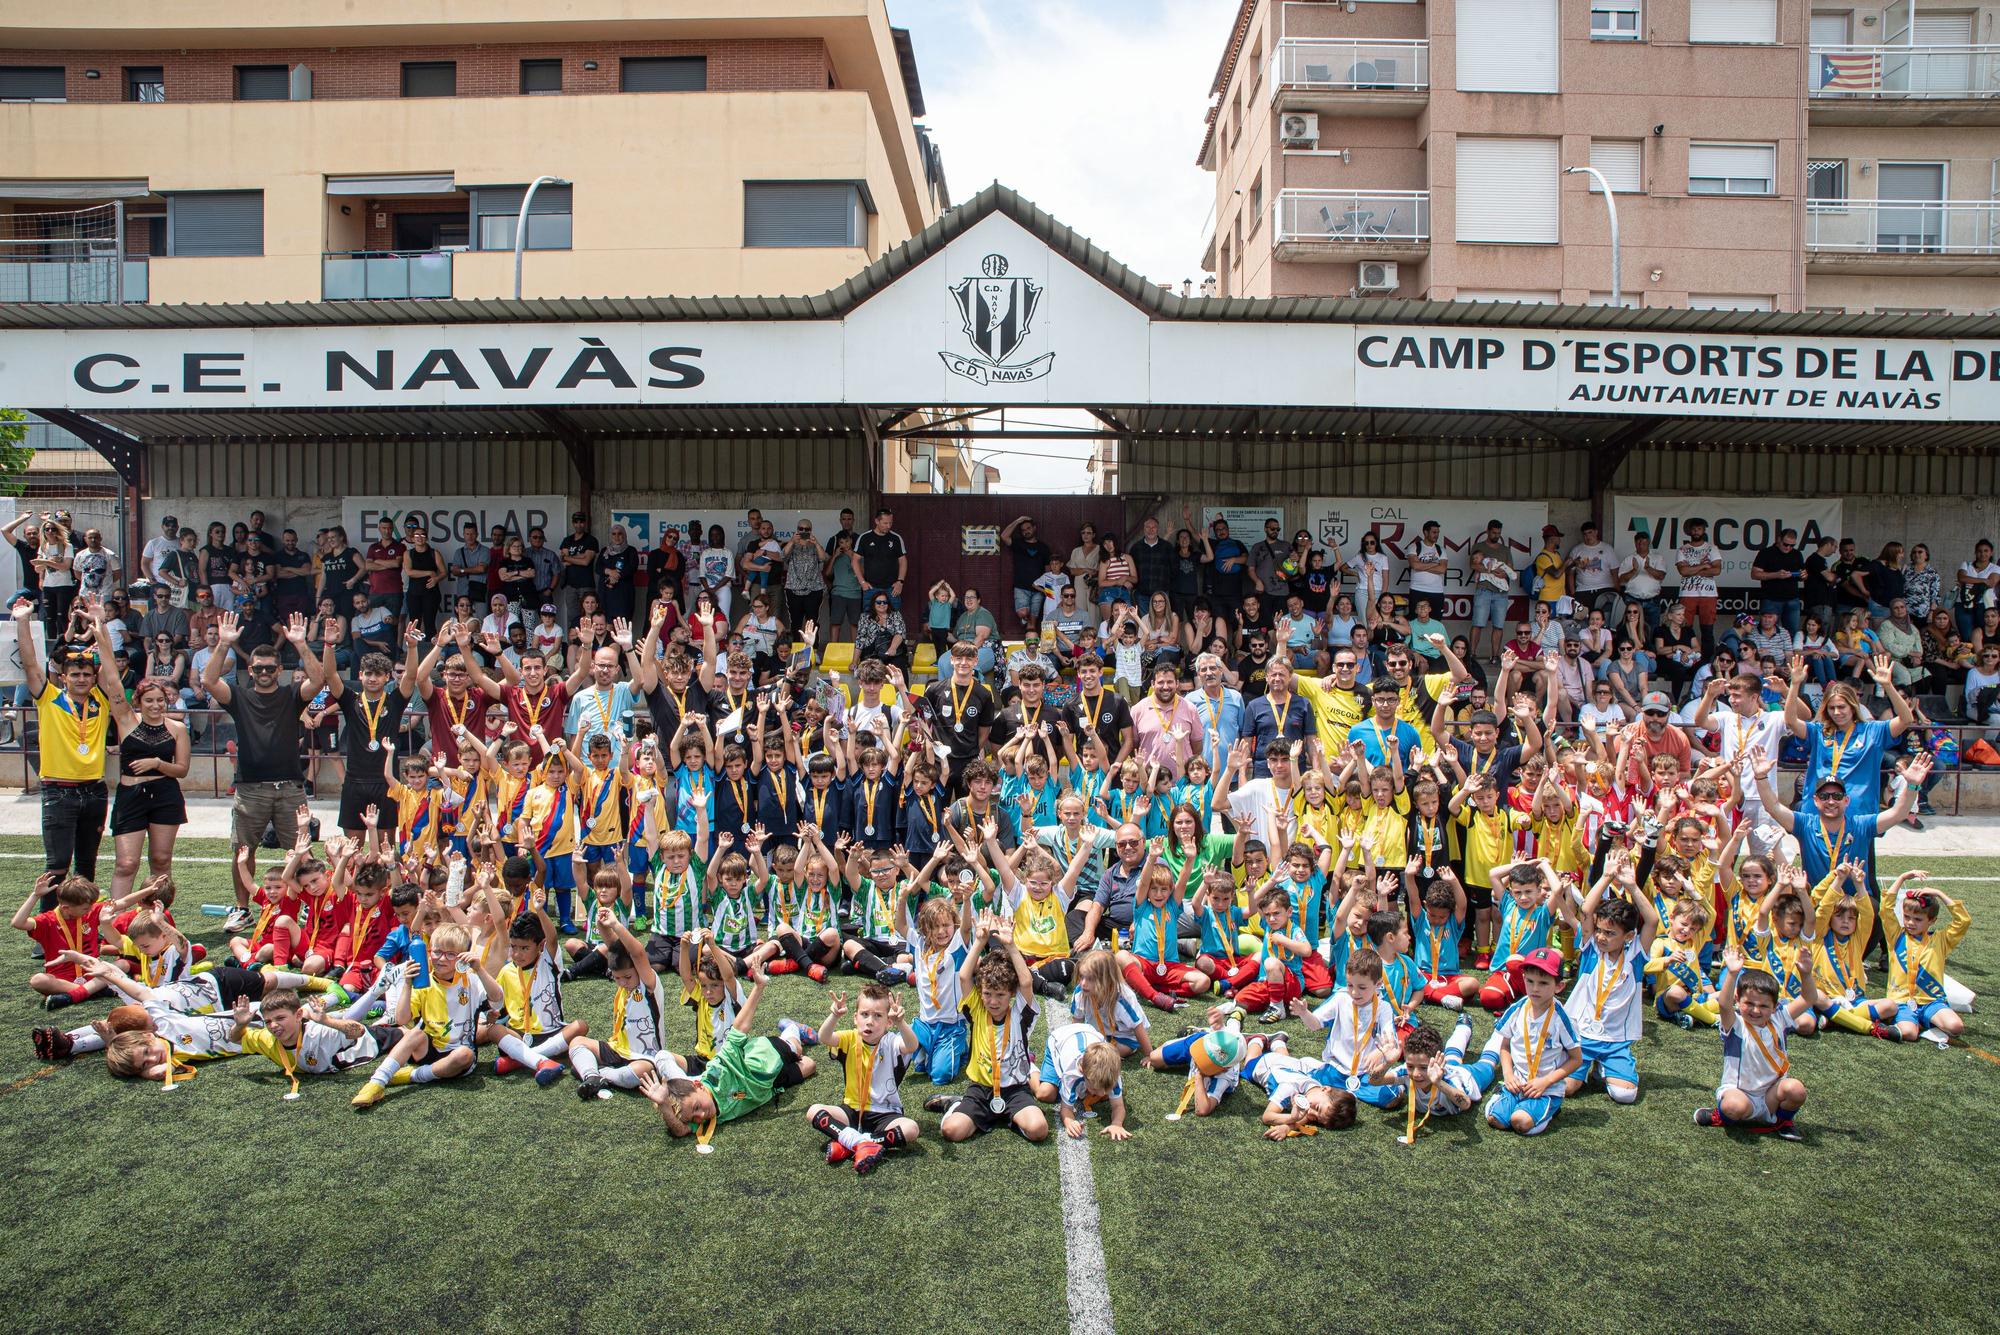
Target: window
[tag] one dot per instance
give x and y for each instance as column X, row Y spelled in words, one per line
column 1256, row 202
column 1620, row 160
column 1507, row 190
column 1826, row 182
column 495, row 210
column 215, row 222
column 32, row 83
column 1733, row 21
column 430, row 78
column 145, row 83
column 1485, row 296
column 804, row 213
column 1732, row 169
column 1615, row 21
column 541, row 76
column 1721, row 302
column 1507, row 46
column 263, row 83
column 663, row 74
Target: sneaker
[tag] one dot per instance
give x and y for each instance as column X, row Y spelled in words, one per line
column 776, row 967
column 51, row 1043
column 505, row 1065
column 800, row 1036
column 816, row 972
column 1684, row 1020
column 893, row 976
column 1273, row 1014
column 1887, row 1032
column 940, row 1103
column 57, row 1001
column 866, row 1156
column 337, row 997
column 371, row 1094
column 1915, row 824
column 548, row 1072
column 591, row 1086
column 1048, row 987
column 1483, row 960
column 837, row 1154
column 236, row 922
column 1788, row 1131
column 1707, row 1117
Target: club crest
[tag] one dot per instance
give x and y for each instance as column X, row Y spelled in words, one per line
column 997, row 313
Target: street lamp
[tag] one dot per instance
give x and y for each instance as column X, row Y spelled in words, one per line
column 1611, row 206
column 521, row 224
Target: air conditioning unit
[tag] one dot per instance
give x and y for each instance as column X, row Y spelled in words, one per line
column 1377, row 276
column 1299, row 129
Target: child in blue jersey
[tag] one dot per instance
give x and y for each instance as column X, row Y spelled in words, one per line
column 1304, row 880
column 1522, row 889
column 1300, row 1101
column 1402, row 980
column 1679, row 965
column 1079, row 1071
column 1281, row 960
column 1152, row 965
column 1361, row 1044
column 693, row 782
column 938, row 950
column 1220, row 923
column 1435, row 1074
column 1437, row 926
column 1028, row 792
column 1196, row 788
column 873, row 798
column 1539, row 1049
column 1606, row 1004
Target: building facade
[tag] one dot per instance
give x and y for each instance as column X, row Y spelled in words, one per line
column 1762, row 154
column 295, row 151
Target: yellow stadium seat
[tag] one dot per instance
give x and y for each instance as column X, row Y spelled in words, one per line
column 837, row 658
column 924, row 663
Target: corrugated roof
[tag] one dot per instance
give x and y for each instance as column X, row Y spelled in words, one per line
column 1080, row 250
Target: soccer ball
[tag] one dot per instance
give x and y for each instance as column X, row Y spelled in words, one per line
column 1217, row 1051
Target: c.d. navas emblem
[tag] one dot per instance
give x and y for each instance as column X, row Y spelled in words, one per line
column 997, row 312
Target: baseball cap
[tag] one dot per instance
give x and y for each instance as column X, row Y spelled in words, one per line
column 169, row 519
column 1548, row 959
column 1830, row 782
column 549, row 608
column 1656, row 702
column 1551, row 531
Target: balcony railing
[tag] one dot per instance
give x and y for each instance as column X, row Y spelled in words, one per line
column 383, row 275
column 1359, row 217
column 1903, row 226
column 92, row 280
column 1315, row 65
column 1905, row 71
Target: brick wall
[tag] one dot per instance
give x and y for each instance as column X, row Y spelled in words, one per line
column 487, row 71
column 383, row 237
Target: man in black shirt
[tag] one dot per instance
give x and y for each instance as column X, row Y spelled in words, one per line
column 1031, row 558
column 1152, row 562
column 1256, row 613
column 270, row 777
column 1251, row 668
column 372, row 713
column 1099, row 711
column 1028, row 710
column 885, row 562
column 291, row 568
column 960, row 713
column 578, row 555
column 1779, row 570
column 1818, row 586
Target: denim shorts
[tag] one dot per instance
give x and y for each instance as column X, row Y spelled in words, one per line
column 1489, row 607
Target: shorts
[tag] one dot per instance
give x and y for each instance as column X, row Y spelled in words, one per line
column 975, row 1104
column 638, row 862
column 433, row 1053
column 872, row 1122
column 1503, row 1105
column 1923, row 1016
column 1305, row 658
column 1437, row 989
column 386, row 1036
column 1116, row 594
column 598, row 854
column 1177, row 1055
column 790, row 1073
column 1478, row 898
column 1760, row 1104
column 1363, row 1088
column 140, row 805
column 356, row 796
column 558, row 874
column 262, row 804
column 1171, row 977
column 1608, row 1061
column 1026, row 601
column 664, row 1063
column 1489, row 607
column 944, row 1048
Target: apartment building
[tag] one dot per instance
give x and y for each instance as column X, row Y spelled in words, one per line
column 1761, row 154
column 291, row 150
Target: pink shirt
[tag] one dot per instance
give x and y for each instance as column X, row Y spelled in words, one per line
column 1166, row 737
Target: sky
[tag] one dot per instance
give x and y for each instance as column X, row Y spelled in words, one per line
column 1094, row 111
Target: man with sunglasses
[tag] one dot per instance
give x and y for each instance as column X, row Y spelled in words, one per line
column 270, row 775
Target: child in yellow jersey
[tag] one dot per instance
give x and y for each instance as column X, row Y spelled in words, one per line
column 869, row 1118
column 1917, row 956
column 1489, row 829
column 1742, row 889
column 1844, row 916
column 548, row 833
column 1779, row 947
column 598, row 789
column 647, row 825
column 999, row 994
column 419, row 800
column 440, row 1022
column 506, row 773
column 1554, row 822
column 1680, row 963
column 1318, row 813
column 1037, row 906
column 534, row 1035
column 709, row 989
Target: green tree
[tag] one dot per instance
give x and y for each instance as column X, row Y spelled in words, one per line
column 14, row 455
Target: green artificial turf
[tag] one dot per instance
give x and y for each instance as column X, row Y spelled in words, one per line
column 491, row 1204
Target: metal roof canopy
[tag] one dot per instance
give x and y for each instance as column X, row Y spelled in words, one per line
column 575, row 424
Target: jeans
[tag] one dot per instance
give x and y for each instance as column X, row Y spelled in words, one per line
column 73, row 826
column 1789, row 611
column 1489, row 607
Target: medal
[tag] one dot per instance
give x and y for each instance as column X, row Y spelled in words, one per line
column 997, row 1104
column 83, row 749
column 869, row 831
column 374, row 745
column 292, row 1095
column 1160, row 970
column 699, row 1149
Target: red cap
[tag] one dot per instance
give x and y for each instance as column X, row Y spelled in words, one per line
column 1548, row 959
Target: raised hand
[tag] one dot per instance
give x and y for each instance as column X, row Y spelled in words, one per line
column 621, row 633
column 295, row 629
column 228, row 631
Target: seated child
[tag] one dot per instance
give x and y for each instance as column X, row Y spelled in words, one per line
column 1152, row 965
column 1280, row 960
column 1220, row 923
column 1607, row 1003
column 1080, row 1070
column 999, row 996
column 709, row 989
column 1917, row 956
column 1103, row 1002
column 533, row 1035
column 638, row 1035
column 1539, row 1049
column 869, row 1120
column 1436, row 1075
column 1679, row 966
column 745, row 1074
column 1523, row 889
column 1438, row 929
column 939, row 950
column 1845, row 918
column 440, row 1022
column 1361, row 1042
column 302, row 1038
column 1757, row 1089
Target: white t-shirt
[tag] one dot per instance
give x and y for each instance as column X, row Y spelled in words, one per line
column 1752, row 1060
column 1254, row 803
column 1697, row 553
column 1422, row 581
column 156, row 548
column 1611, row 717
column 1766, row 730
column 1982, row 597
column 1617, row 1020
column 1375, row 1021
column 1371, row 576
column 1638, row 583
column 1051, row 583
column 1551, row 1034
column 1595, row 562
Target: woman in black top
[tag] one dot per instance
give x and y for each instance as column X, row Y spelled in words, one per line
column 1185, row 582
column 339, row 568
column 1676, row 649
column 149, row 809
column 423, row 571
column 218, row 566
column 515, row 577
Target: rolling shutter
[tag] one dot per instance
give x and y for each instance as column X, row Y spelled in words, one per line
column 1619, row 160
column 1733, row 21
column 663, row 74
column 1507, row 190
column 31, row 83
column 215, row 222
column 1507, row 46
column 803, row 213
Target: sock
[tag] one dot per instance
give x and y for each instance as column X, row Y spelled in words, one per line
column 1854, row 1019
column 639, row 908
column 511, row 1046
column 550, row 1048
column 565, row 902
column 366, row 1001
column 423, row 1075
column 1706, row 1012
column 1135, row 975
column 849, row 1137
column 84, row 1039
column 625, row 1077
column 1461, row 1038
column 585, row 1062
column 822, row 1122
column 866, row 963
column 795, row 950
column 386, row 1071
column 79, row 992
column 590, row 964
column 281, row 948
column 798, row 1035
column 298, row 982
column 1493, row 996
column 893, row 1138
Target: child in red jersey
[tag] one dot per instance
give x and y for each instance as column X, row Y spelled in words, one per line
column 71, row 925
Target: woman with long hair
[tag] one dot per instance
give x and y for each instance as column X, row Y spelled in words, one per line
column 149, row 809
column 1114, row 577
column 1083, row 562
column 1186, row 578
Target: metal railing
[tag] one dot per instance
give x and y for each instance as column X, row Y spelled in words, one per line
column 1361, row 217
column 1905, row 71
column 1318, row 65
column 382, row 275
column 1903, row 226
column 91, row 279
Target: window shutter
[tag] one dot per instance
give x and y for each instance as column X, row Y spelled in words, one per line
column 663, row 74
column 215, row 222
column 1619, row 160
column 802, row 213
column 1507, row 46
column 1752, row 162
column 263, row 83
column 1507, row 190
column 1733, row 21
column 507, row 199
column 31, row 83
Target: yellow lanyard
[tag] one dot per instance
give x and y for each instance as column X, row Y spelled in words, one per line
column 1437, row 948
column 936, row 967
column 959, row 700
column 602, row 699
column 1536, row 1044
column 1514, row 929
column 1426, row 831
column 680, row 699
column 618, row 1005
column 864, row 1070
column 294, row 1055
column 1354, row 1067
column 704, row 1133
column 1094, row 704
column 1000, row 1041
column 533, row 708
column 868, row 791
column 1223, row 934
column 1605, row 985
column 457, row 716
column 75, row 938
column 1160, row 921
column 781, row 784
column 819, row 808
column 374, row 719
column 742, row 791
column 175, row 1066
column 1839, row 749
column 1778, row 1064
column 929, row 807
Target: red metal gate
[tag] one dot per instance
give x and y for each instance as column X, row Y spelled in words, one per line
column 934, row 530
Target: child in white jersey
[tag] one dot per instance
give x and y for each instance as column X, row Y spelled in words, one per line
column 1539, row 1049
column 869, row 1120
column 636, row 1045
column 1606, row 1004
column 1361, row 1044
column 440, row 1022
column 1757, row 1090
column 1436, row 1075
column 938, row 950
column 1080, row 1070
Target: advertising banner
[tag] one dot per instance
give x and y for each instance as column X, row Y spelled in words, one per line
column 445, row 515
column 1738, row 526
column 1340, row 521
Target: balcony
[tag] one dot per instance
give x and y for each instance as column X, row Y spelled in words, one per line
column 1383, row 78
column 1342, row 226
column 1905, row 85
column 64, row 280
column 385, row 275
column 1903, row 236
